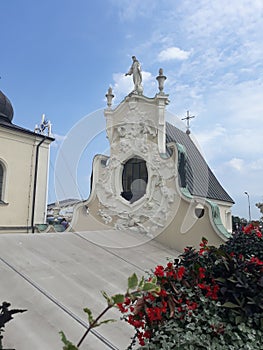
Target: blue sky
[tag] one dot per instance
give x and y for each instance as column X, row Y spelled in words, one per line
column 59, row 57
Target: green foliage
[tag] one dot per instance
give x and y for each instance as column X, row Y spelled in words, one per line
column 118, row 298
column 89, row 313
column 132, row 281
column 199, row 333
column 211, row 298
column 135, row 289
column 67, row 344
column 246, row 243
column 240, row 282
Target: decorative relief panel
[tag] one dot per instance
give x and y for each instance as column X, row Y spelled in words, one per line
column 152, row 211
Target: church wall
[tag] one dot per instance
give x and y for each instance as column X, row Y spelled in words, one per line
column 42, row 184
column 187, row 230
column 225, row 213
column 18, row 152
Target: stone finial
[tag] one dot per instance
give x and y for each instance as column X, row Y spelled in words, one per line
column 161, row 79
column 109, row 97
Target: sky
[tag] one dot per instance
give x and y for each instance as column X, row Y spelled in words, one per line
column 59, row 57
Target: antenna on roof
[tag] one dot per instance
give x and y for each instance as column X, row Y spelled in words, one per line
column 187, row 118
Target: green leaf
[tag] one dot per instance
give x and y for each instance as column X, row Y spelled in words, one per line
column 90, row 316
column 238, row 319
column 68, row 344
column 105, row 321
column 118, row 298
column 220, row 279
column 230, row 305
column 154, row 280
column 141, row 283
column 132, row 281
column 105, row 295
column 150, row 287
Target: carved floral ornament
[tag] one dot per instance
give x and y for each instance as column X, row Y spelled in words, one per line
column 154, row 209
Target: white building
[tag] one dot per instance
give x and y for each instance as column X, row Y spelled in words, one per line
column 155, row 181
column 24, row 162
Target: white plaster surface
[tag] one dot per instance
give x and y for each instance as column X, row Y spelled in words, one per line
column 67, row 271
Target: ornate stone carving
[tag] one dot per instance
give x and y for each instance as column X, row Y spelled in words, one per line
column 152, row 211
column 105, row 217
column 134, row 133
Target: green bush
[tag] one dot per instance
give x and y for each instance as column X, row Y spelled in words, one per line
column 247, row 242
column 209, row 298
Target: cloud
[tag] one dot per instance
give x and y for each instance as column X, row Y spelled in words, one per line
column 131, row 10
column 209, row 140
column 204, row 19
column 173, row 53
column 257, row 164
column 123, row 85
column 236, row 164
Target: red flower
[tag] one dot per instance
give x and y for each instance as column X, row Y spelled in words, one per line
column 201, row 272
column 147, row 334
column 162, row 293
column 248, row 228
column 150, row 297
column 259, row 234
column 122, row 308
column 256, row 260
column 154, row 313
column 134, row 322
column 201, row 285
column 201, row 251
column 191, row 305
column 169, row 265
column 140, row 338
column 159, row 271
column 180, row 272
column 127, row 301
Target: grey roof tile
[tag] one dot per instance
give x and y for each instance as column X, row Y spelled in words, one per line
column 194, row 172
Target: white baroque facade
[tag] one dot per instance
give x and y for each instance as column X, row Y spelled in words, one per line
column 155, row 181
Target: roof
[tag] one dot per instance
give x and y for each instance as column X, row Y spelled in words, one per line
column 6, row 116
column 55, row 275
column 9, row 125
column 194, row 172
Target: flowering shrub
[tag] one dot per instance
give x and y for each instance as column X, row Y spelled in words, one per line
column 247, row 242
column 207, row 298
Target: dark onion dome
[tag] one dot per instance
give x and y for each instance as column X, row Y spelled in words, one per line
column 6, row 109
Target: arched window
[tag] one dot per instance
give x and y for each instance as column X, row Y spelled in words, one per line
column 134, row 179
column 1, row 181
